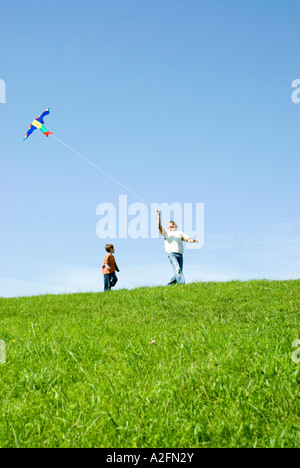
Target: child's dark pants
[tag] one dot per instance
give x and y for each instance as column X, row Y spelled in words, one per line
column 110, row 280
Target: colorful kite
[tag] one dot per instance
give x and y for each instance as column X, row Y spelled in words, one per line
column 39, row 123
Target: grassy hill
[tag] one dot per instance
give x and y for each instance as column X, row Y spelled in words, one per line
column 81, row 369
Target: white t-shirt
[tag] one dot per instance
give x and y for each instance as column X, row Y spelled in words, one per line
column 174, row 241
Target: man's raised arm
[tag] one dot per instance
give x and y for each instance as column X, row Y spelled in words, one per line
column 159, row 222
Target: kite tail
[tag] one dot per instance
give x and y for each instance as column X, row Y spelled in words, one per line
column 45, row 131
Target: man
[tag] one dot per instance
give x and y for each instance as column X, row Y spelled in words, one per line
column 174, row 248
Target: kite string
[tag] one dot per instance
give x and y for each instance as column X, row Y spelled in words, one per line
column 101, row 170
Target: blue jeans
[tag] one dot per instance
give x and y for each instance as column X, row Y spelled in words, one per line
column 176, row 260
column 110, row 280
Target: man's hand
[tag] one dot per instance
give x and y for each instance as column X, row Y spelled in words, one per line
column 193, row 241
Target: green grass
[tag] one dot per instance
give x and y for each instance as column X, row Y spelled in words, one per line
column 81, row 371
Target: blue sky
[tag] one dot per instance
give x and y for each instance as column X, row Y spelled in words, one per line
column 186, row 102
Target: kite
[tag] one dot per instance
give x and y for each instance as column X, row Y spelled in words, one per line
column 39, row 123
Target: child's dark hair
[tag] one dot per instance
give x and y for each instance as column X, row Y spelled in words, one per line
column 108, row 247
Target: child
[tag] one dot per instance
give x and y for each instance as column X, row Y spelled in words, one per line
column 109, row 268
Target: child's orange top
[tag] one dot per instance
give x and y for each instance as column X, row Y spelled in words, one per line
column 111, row 262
